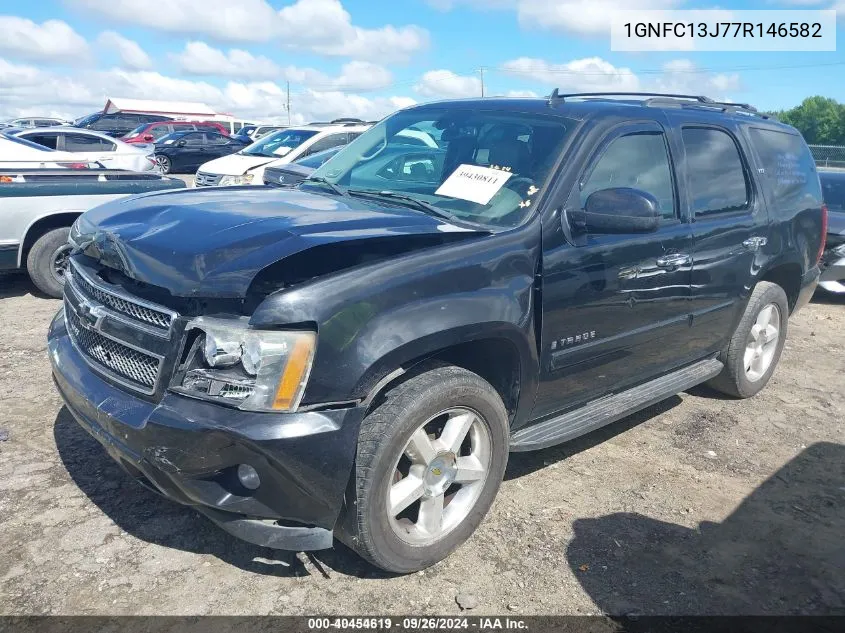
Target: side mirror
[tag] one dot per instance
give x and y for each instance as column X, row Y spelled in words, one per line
column 148, row 137
column 617, row 210
column 181, row 143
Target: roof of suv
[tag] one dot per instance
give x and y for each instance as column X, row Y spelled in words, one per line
column 583, row 106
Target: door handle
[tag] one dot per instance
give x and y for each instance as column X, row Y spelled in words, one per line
column 674, row 260
column 754, row 243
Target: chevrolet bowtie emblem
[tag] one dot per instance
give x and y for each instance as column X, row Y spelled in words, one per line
column 90, row 314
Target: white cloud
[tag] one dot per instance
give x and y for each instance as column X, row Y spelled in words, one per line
column 321, row 26
column 589, row 74
column 130, row 54
column 594, row 74
column 28, row 90
column 581, row 17
column 198, row 58
column 446, row 84
column 52, row 40
column 682, row 76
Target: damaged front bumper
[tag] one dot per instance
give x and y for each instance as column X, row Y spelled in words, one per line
column 833, row 273
column 190, row 452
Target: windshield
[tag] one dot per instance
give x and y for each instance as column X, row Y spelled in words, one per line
column 315, row 160
column 87, row 120
column 278, row 144
column 484, row 166
column 136, row 131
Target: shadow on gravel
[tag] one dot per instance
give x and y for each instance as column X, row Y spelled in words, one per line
column 780, row 552
column 521, row 464
column 17, row 284
column 154, row 519
column 829, row 298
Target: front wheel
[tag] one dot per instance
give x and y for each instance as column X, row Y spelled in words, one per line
column 47, row 261
column 430, row 460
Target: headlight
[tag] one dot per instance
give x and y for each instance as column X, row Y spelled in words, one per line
column 255, row 370
column 839, row 251
column 229, row 181
column 80, row 233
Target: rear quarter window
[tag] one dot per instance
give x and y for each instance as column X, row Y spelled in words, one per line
column 789, row 171
column 833, row 190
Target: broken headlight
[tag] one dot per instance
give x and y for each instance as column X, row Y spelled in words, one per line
column 255, row 370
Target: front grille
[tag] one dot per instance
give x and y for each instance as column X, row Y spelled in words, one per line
column 127, row 363
column 124, row 337
column 206, row 180
column 128, row 308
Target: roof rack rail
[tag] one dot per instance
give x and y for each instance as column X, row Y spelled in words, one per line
column 662, row 99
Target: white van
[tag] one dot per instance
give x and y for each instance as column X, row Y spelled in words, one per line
column 284, row 146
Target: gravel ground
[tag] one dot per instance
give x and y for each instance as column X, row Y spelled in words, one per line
column 699, row 505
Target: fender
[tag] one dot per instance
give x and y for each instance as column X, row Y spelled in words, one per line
column 373, row 319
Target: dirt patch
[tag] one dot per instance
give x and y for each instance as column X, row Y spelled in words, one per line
column 638, row 517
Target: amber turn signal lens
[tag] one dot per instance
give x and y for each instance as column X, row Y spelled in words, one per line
column 293, row 380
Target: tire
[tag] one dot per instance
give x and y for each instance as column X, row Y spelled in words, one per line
column 440, row 397
column 163, row 163
column 736, row 379
column 44, row 257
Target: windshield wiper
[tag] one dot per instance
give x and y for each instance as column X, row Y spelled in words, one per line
column 422, row 205
column 319, row 180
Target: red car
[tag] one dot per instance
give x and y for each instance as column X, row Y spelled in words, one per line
column 151, row 132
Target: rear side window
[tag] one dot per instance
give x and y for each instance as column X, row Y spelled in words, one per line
column 85, row 143
column 639, row 161
column 789, row 169
column 717, row 180
column 47, row 140
column 833, row 191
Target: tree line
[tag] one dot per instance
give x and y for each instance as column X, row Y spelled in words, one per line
column 820, row 119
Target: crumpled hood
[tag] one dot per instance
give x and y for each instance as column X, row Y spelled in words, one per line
column 212, row 242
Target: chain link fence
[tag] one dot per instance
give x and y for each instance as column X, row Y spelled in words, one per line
column 829, row 155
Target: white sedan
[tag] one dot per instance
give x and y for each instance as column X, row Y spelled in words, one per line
column 88, row 145
column 18, row 153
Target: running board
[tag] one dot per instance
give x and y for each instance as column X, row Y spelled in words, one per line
column 614, row 407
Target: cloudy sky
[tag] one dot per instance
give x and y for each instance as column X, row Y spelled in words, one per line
column 365, row 58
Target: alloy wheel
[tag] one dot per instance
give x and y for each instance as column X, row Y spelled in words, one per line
column 59, row 262
column 439, row 476
column 762, row 342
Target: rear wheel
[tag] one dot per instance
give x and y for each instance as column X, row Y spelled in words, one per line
column 163, row 163
column 755, row 348
column 430, row 460
column 47, row 260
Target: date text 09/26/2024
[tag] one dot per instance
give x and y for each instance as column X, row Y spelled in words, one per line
column 486, row 623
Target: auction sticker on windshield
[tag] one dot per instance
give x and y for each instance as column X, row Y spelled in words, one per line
column 474, row 183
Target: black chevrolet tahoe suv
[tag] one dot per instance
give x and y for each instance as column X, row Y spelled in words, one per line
column 356, row 357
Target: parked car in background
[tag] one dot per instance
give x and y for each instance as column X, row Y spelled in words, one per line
column 37, row 207
column 152, row 132
column 263, row 130
column 348, row 360
column 294, row 173
column 833, row 261
column 87, row 145
column 247, row 129
column 36, row 122
column 246, row 139
column 18, row 153
column 183, row 152
column 117, row 123
column 279, row 148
